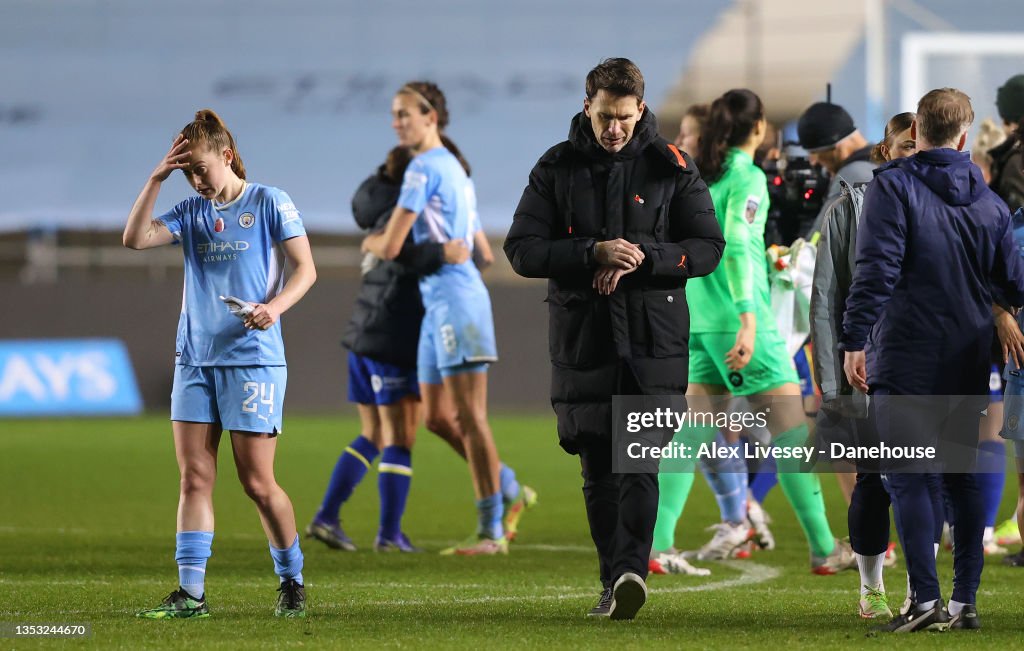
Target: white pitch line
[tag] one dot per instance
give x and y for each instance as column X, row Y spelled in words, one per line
column 533, row 547
column 750, row 573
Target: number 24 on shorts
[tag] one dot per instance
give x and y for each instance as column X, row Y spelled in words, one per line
column 261, row 391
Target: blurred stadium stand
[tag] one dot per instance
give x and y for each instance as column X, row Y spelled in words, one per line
column 785, row 50
column 93, row 91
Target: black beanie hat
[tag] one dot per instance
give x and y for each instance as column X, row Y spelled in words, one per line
column 1010, row 99
column 822, row 125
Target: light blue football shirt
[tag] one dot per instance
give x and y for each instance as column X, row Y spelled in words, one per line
column 1017, row 223
column 231, row 250
column 436, row 188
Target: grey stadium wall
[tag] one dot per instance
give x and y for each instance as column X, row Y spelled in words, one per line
column 144, row 314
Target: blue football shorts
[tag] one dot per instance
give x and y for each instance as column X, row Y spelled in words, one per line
column 240, row 398
column 378, row 383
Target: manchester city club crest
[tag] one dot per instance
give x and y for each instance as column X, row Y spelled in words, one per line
column 1012, row 422
column 246, row 220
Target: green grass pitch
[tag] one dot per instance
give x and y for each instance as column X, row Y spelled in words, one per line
column 86, row 535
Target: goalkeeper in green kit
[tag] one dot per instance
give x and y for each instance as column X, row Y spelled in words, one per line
column 735, row 348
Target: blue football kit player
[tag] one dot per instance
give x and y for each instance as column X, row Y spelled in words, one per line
column 436, row 204
column 382, row 338
column 230, row 368
column 458, row 330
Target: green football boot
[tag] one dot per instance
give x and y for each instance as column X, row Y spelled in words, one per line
column 177, row 605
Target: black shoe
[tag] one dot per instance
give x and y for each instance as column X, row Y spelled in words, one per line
column 1014, row 560
column 966, row 619
column 604, row 604
column 935, row 618
column 628, row 596
column 291, row 602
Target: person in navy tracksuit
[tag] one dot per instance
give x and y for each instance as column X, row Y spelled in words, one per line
column 935, row 246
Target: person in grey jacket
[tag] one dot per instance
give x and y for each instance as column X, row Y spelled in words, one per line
column 833, row 271
column 844, row 411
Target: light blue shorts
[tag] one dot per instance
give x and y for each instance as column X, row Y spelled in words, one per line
column 1013, row 405
column 455, row 340
column 240, row 398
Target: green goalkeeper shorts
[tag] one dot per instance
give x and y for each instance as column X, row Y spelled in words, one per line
column 770, row 367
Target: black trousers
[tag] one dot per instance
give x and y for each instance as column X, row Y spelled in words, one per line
column 621, row 508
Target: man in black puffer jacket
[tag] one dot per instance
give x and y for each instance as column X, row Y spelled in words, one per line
column 617, row 219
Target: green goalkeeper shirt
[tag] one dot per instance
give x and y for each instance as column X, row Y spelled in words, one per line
column 740, row 283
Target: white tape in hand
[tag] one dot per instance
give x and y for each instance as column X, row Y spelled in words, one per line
column 237, row 306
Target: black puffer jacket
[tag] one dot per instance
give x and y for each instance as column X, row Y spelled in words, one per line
column 648, row 194
column 385, row 323
column 1007, row 175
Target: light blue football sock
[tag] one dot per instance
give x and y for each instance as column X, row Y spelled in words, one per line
column 191, row 551
column 288, row 562
column 509, row 485
column 728, row 479
column 490, row 511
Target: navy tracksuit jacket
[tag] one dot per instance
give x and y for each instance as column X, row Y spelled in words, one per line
column 934, row 242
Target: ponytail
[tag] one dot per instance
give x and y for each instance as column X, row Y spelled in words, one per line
column 450, row 146
column 711, row 145
column 208, row 128
column 731, row 120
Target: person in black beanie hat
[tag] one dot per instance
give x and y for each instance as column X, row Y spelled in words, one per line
column 1007, row 175
column 832, row 140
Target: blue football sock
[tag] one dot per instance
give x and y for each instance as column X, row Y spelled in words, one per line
column 490, row 511
column 288, row 562
column 728, row 479
column 765, row 480
column 991, row 475
column 191, row 551
column 509, row 485
column 393, row 481
column 348, row 472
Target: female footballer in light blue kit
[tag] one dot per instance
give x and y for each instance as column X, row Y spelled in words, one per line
column 230, row 368
column 457, row 336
